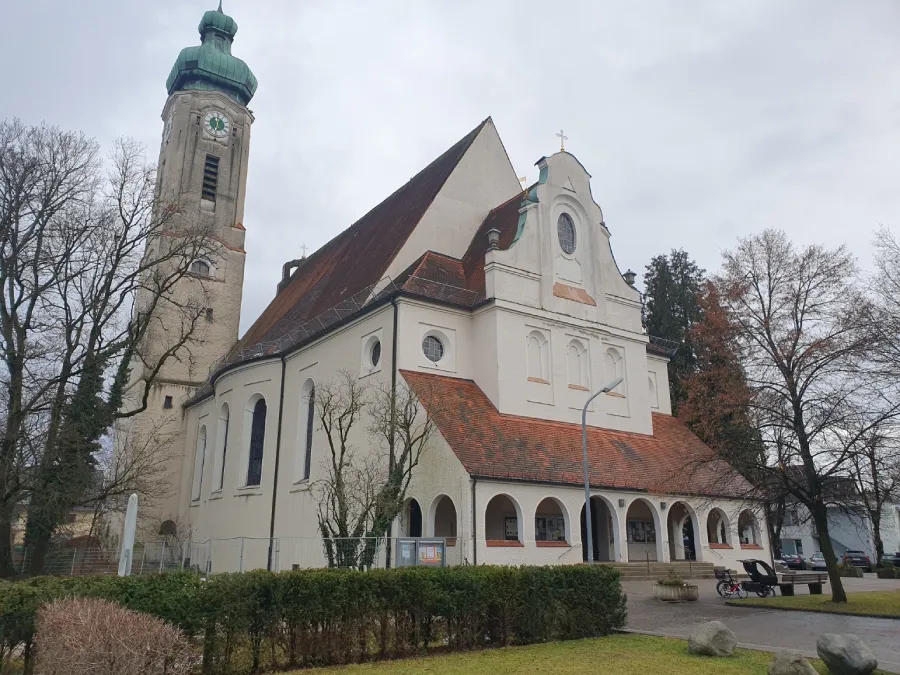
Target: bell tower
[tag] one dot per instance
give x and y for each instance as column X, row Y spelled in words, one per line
column 203, row 168
column 202, row 173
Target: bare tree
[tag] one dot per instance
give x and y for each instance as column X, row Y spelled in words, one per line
column 874, row 467
column 805, row 328
column 362, row 490
column 885, row 285
column 85, row 259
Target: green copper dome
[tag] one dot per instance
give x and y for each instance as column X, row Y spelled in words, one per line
column 210, row 66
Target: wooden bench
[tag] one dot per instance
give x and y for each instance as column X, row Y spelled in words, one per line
column 815, row 581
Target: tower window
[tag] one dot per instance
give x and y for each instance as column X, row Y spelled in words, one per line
column 210, row 177
column 209, row 314
column 200, row 267
column 167, row 402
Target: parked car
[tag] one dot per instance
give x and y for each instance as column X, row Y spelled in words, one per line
column 793, row 561
column 857, row 559
column 891, row 558
column 817, row 562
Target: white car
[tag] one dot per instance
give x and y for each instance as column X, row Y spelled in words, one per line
column 817, row 562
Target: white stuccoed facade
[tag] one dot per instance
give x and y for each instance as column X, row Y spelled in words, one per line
column 488, row 345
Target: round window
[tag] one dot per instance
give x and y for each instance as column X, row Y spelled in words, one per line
column 375, row 354
column 565, row 228
column 433, row 348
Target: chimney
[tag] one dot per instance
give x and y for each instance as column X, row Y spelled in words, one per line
column 629, row 278
column 286, row 270
column 493, row 236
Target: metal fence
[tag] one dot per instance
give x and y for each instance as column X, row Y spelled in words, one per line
column 240, row 554
column 151, row 557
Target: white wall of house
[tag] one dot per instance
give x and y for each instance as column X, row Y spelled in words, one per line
column 848, row 531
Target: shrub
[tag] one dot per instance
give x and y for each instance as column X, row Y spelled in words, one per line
column 888, row 572
column 90, row 636
column 672, row 579
column 849, row 571
column 261, row 621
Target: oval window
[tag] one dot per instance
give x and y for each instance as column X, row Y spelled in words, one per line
column 376, row 354
column 433, row 348
column 565, row 228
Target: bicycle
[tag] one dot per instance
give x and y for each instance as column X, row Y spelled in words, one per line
column 728, row 586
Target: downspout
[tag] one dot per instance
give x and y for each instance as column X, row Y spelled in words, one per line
column 474, row 524
column 387, row 556
column 277, row 461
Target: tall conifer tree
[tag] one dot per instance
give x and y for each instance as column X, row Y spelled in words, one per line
column 671, row 287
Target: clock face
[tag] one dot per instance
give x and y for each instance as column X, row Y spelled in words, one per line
column 217, row 124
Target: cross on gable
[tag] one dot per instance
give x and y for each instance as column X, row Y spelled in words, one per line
column 562, row 140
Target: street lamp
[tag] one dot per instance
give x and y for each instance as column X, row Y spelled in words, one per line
column 587, row 483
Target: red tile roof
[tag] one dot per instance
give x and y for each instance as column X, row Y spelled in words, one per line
column 358, row 257
column 490, row 444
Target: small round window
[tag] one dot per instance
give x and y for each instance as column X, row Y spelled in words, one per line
column 375, row 354
column 565, row 228
column 433, row 348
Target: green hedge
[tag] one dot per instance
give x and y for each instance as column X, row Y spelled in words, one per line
column 259, row 621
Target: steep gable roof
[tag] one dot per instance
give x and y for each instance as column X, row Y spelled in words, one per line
column 496, row 445
column 358, row 257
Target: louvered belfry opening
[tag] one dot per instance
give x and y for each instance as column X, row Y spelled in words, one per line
column 210, row 177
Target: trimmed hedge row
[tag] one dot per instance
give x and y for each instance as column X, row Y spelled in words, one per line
column 260, row 621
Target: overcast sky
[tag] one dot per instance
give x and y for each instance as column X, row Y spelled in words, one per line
column 699, row 121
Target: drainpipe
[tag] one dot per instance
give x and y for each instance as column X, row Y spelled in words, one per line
column 277, row 461
column 387, row 557
column 474, row 524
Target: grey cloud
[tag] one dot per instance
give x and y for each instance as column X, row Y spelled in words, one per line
column 700, row 122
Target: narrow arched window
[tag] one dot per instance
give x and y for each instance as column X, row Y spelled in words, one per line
column 537, row 355
column 310, row 419
column 614, row 370
column 222, row 447
column 257, row 439
column 199, row 459
column 577, row 365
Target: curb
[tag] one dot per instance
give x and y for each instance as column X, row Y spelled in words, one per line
column 740, row 603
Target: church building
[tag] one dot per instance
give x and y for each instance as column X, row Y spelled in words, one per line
column 501, row 307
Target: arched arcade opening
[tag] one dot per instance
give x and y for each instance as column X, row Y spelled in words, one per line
column 604, row 531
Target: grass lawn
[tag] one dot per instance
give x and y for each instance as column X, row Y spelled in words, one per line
column 877, row 603
column 619, row 654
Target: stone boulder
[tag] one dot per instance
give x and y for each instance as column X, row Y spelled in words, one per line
column 712, row 639
column 846, row 654
column 790, row 663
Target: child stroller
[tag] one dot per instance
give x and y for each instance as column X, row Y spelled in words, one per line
column 763, row 579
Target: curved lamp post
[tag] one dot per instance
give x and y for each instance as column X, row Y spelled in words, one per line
column 587, row 486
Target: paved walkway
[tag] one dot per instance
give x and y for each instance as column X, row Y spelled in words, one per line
column 765, row 628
